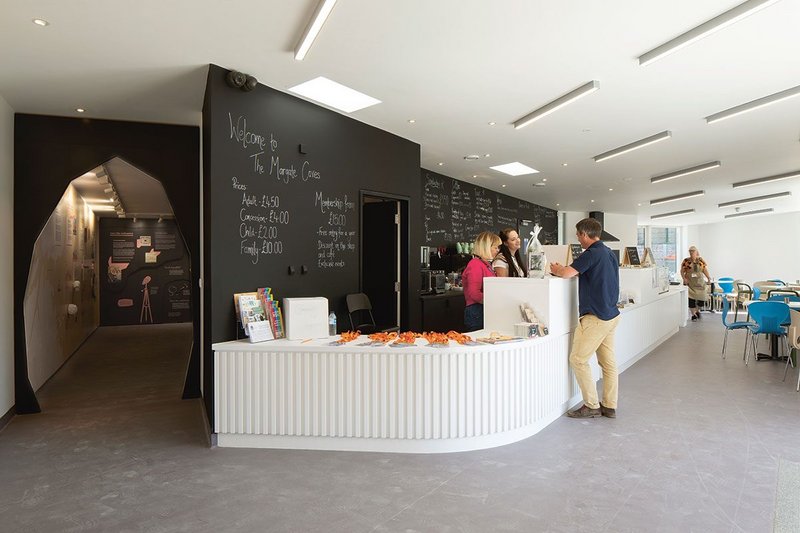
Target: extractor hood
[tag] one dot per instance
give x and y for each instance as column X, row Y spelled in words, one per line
column 605, row 236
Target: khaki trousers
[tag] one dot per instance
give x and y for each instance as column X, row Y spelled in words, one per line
column 595, row 336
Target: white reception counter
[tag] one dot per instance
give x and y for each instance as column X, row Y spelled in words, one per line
column 420, row 399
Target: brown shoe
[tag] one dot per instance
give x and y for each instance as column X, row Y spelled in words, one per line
column 584, row 411
column 608, row 412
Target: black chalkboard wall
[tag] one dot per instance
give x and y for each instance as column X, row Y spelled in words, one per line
column 282, row 179
column 456, row 211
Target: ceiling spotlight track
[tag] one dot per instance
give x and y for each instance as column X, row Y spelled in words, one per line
column 754, row 104
column 324, row 9
column 705, row 29
column 768, row 179
column 693, row 194
column 672, row 214
column 633, row 146
column 685, row 172
column 754, row 199
column 558, row 103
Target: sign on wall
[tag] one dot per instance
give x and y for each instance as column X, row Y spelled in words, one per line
column 144, row 273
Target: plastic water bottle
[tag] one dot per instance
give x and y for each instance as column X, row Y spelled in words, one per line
column 332, row 324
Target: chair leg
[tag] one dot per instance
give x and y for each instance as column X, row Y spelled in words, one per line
column 725, row 342
column 747, row 358
column 786, row 368
column 746, row 340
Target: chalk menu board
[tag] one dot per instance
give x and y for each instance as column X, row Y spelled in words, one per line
column 576, row 250
column 456, row 211
column 265, row 216
column 633, row 255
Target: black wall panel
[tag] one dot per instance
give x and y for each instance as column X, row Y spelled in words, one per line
column 282, row 179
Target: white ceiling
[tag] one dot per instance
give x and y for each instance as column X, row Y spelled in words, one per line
column 453, row 66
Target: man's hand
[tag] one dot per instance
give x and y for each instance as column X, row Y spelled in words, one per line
column 557, row 269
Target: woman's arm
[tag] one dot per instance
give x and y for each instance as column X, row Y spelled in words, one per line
column 500, row 266
column 708, row 276
column 472, row 282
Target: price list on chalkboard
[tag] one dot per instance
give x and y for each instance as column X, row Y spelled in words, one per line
column 456, row 211
column 277, row 194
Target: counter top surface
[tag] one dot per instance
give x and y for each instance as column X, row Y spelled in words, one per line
column 420, row 345
column 447, row 294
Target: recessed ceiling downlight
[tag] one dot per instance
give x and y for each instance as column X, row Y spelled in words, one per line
column 40, row 22
column 472, row 157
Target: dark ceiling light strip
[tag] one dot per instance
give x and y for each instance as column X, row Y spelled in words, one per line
column 746, row 213
column 633, row 146
column 672, row 214
column 693, row 194
column 685, row 172
column 768, row 179
column 754, row 199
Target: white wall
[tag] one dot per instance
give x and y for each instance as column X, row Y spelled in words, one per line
column 752, row 248
column 65, row 252
column 6, row 259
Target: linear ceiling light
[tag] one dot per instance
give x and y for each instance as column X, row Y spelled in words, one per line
column 673, row 214
column 693, row 194
column 755, row 104
column 685, row 172
column 334, row 94
column 633, row 146
column 768, row 179
column 705, row 29
column 745, row 213
column 755, row 199
column 558, row 103
column 312, row 30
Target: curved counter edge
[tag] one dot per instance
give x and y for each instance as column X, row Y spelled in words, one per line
column 422, row 401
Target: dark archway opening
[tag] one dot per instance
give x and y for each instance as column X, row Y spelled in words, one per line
column 48, row 153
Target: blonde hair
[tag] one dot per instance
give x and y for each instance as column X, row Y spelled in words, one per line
column 484, row 243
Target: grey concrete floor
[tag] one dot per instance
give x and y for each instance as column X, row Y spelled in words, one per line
column 696, row 447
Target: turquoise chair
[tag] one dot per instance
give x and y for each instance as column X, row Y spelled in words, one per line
column 729, row 326
column 768, row 318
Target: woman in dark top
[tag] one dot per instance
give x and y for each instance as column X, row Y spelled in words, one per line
column 508, row 262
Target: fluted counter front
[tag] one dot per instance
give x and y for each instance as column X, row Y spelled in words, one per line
column 288, row 394
column 284, row 394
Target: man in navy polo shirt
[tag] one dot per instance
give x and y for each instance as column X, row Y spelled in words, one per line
column 598, row 292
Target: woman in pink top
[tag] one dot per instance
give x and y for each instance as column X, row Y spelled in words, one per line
column 479, row 267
